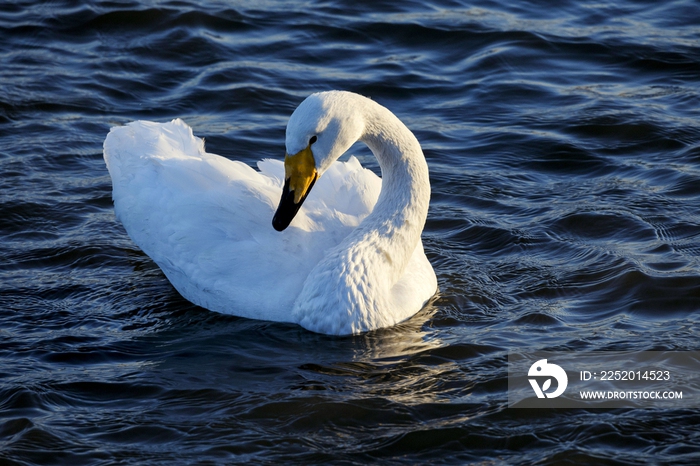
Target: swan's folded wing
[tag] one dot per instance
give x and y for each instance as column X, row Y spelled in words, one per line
column 206, row 220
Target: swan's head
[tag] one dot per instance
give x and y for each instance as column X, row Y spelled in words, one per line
column 319, row 131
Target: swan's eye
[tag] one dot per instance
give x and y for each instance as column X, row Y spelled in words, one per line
column 313, row 139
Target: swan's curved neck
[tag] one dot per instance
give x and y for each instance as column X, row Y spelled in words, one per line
column 355, row 287
column 404, row 169
column 398, row 218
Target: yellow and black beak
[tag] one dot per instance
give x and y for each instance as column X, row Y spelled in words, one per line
column 300, row 176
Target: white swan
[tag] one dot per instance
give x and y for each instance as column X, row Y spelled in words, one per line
column 352, row 259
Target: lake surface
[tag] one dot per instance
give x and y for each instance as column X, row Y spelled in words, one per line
column 563, row 140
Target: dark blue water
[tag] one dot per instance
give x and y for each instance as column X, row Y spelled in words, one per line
column 563, row 140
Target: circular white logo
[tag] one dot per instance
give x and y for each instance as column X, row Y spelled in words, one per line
column 542, row 369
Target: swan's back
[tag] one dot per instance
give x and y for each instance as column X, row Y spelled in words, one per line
column 205, row 220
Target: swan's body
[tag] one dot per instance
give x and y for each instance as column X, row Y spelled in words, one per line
column 352, row 259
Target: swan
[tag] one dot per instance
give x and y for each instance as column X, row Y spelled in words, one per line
column 350, row 261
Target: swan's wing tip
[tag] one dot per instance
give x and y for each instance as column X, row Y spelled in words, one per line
column 273, row 168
